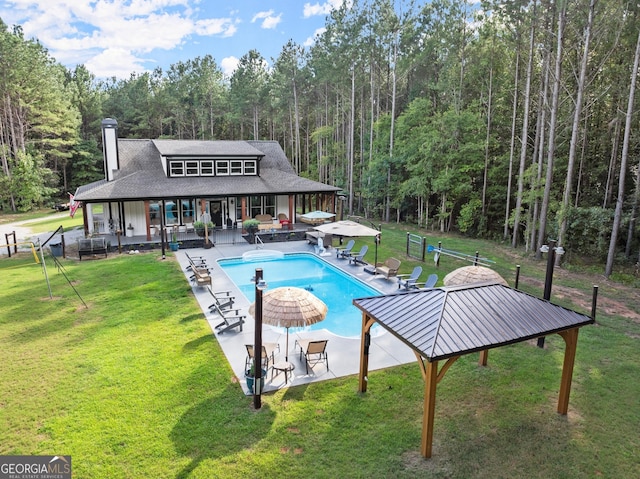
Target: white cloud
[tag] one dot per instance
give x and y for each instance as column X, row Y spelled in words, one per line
column 228, row 65
column 224, row 27
column 322, row 8
column 109, row 36
column 261, row 15
column 115, row 62
column 269, row 21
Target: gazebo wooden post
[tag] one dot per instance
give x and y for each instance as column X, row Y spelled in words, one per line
column 570, row 337
column 430, row 384
column 484, row 357
column 365, row 342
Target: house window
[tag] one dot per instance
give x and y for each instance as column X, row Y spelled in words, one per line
column 154, row 212
column 171, row 212
column 192, row 168
column 222, row 168
column 269, row 205
column 250, row 167
column 236, row 167
column 259, row 205
column 176, row 168
column 206, row 168
column 201, row 167
column 238, row 201
column 255, row 206
column 187, row 211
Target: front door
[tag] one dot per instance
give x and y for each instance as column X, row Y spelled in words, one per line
column 216, row 213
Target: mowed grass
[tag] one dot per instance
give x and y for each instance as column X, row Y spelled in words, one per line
column 136, row 386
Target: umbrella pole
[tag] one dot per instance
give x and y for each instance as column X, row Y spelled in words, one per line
column 286, row 351
column 375, row 239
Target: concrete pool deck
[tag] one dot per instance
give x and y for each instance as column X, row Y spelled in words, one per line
column 343, row 353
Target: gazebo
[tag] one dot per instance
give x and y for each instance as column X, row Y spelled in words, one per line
column 442, row 324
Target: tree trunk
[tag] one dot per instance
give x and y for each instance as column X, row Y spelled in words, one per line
column 352, row 135
column 525, row 130
column 575, row 130
column 392, row 128
column 514, row 116
column 553, row 119
column 485, row 176
column 634, row 215
column 623, row 165
column 615, row 144
column 538, row 150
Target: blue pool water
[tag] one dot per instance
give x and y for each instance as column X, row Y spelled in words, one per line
column 336, row 288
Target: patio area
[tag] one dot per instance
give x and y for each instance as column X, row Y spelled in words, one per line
column 343, row 353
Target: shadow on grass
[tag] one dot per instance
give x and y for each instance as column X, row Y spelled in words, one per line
column 196, row 343
column 219, row 426
column 192, row 317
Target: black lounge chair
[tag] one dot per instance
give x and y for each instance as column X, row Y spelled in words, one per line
column 221, row 300
column 230, row 321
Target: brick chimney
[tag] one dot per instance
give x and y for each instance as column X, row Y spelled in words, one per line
column 110, row 147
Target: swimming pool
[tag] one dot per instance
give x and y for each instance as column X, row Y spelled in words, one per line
column 304, row 270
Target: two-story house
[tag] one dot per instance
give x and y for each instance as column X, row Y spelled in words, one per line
column 151, row 184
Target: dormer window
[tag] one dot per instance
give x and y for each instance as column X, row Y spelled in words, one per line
column 176, row 168
column 236, row 167
column 201, row 167
column 206, row 168
column 192, row 168
column 250, row 167
column 222, row 168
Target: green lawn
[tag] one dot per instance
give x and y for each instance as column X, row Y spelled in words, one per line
column 136, row 386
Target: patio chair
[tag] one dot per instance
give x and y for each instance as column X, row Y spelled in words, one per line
column 429, row 283
column 346, row 251
column 268, row 354
column 230, row 321
column 221, row 300
column 358, row 258
column 408, row 281
column 201, row 277
column 314, row 352
column 197, row 260
column 389, row 268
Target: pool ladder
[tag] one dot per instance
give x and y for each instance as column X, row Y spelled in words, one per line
column 259, row 243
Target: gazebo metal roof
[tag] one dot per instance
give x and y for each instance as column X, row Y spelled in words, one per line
column 446, row 323
column 451, row 321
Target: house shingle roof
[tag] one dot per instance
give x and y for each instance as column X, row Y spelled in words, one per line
column 202, row 148
column 141, row 175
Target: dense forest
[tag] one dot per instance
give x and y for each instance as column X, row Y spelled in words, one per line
column 512, row 120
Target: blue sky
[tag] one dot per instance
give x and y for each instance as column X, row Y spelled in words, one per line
column 118, row 37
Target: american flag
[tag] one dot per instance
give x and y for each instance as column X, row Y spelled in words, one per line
column 73, row 205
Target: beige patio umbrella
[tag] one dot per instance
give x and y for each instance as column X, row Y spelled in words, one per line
column 472, row 274
column 290, row 307
column 350, row 229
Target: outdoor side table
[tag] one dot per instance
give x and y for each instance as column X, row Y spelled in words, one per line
column 284, row 367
